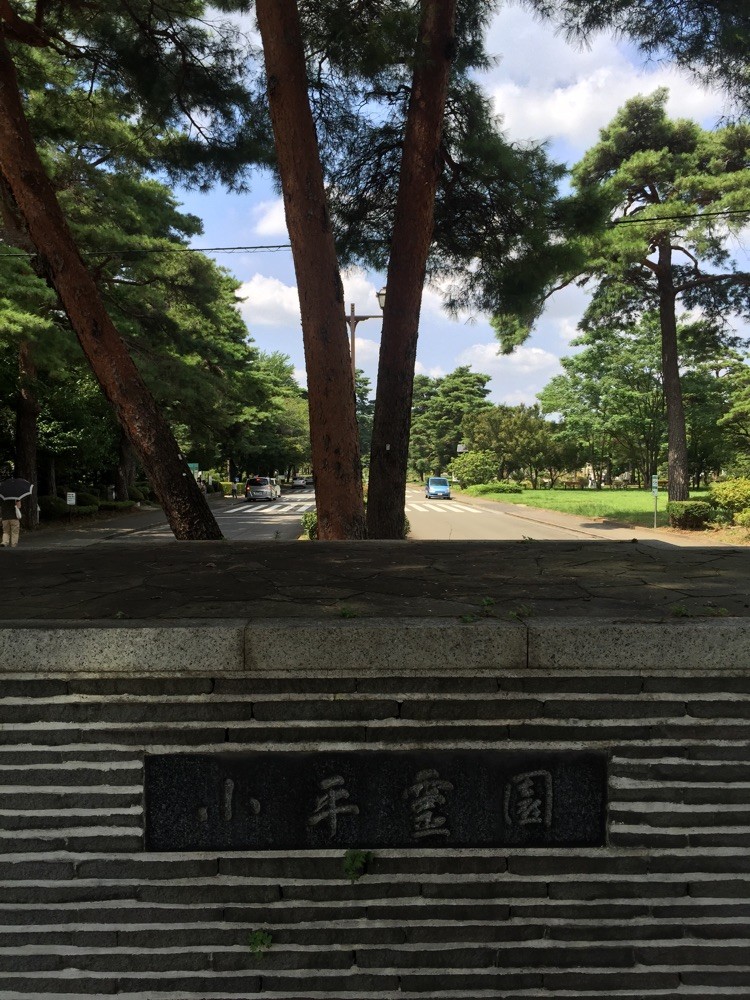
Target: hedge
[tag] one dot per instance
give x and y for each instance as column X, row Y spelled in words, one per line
column 690, row 514
column 56, row 507
column 117, row 504
column 483, row 489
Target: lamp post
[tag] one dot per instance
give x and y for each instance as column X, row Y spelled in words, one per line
column 351, row 321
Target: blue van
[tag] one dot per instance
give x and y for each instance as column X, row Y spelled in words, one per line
column 437, row 488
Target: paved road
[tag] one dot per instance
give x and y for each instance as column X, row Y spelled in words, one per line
column 477, row 520
column 460, row 519
column 430, row 520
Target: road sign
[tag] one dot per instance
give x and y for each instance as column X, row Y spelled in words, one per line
column 70, row 499
column 654, row 485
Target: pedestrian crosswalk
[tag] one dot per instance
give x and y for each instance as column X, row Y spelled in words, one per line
column 303, row 506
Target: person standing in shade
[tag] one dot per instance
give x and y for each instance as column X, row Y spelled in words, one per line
column 10, row 512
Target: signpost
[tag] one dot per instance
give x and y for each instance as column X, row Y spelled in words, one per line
column 655, row 491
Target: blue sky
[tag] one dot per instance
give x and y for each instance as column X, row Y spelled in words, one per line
column 543, row 89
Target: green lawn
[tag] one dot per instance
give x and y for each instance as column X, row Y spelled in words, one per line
column 633, row 507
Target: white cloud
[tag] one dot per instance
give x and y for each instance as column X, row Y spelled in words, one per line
column 366, row 351
column 360, row 292
column 270, row 219
column 434, row 372
column 566, row 92
column 567, row 329
column 575, row 112
column 516, row 377
column 269, row 302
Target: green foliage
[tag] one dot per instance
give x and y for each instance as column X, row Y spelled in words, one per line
column 495, row 200
column 522, row 611
column 134, row 493
column 310, row 524
column 87, row 499
column 611, row 396
column 492, row 488
column 732, row 494
column 54, row 508
column 259, row 942
column 365, row 409
column 177, row 311
column 116, row 504
column 742, row 518
column 356, row 864
column 523, row 442
column 473, row 467
column 706, row 611
column 438, row 408
column 691, row 515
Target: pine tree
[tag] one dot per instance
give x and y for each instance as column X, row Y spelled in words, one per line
column 166, row 61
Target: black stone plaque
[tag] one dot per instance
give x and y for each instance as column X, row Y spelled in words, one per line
column 462, row 798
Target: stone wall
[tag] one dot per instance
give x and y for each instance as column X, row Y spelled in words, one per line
column 661, row 910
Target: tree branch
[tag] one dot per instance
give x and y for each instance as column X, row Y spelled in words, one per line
column 738, row 278
column 16, row 29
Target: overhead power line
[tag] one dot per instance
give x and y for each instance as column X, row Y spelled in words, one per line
column 277, row 247
column 122, row 252
column 676, row 218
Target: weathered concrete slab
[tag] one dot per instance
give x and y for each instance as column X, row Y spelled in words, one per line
column 120, row 647
column 397, row 645
column 684, row 644
column 331, row 580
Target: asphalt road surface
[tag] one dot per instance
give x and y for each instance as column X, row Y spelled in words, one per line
column 460, row 519
column 439, row 520
column 471, row 519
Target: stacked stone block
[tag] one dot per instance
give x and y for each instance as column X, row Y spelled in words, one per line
column 662, row 910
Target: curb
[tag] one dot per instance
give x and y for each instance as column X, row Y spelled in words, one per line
column 402, row 646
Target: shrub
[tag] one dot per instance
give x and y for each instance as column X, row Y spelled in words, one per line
column 84, row 509
column 733, row 494
column 116, row 504
column 87, row 500
column 135, row 493
column 51, row 507
column 690, row 514
column 310, row 524
column 483, row 489
column 743, row 518
column 56, row 507
column 226, row 487
column 473, row 467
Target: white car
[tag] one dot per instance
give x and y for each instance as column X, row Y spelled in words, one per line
column 262, row 488
column 299, row 481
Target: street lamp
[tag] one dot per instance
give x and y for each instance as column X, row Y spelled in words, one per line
column 351, row 321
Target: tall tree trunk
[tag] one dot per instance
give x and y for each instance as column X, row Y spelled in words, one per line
column 412, row 233
column 125, row 470
column 47, row 475
column 27, row 412
column 677, row 475
column 133, row 404
column 330, row 384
